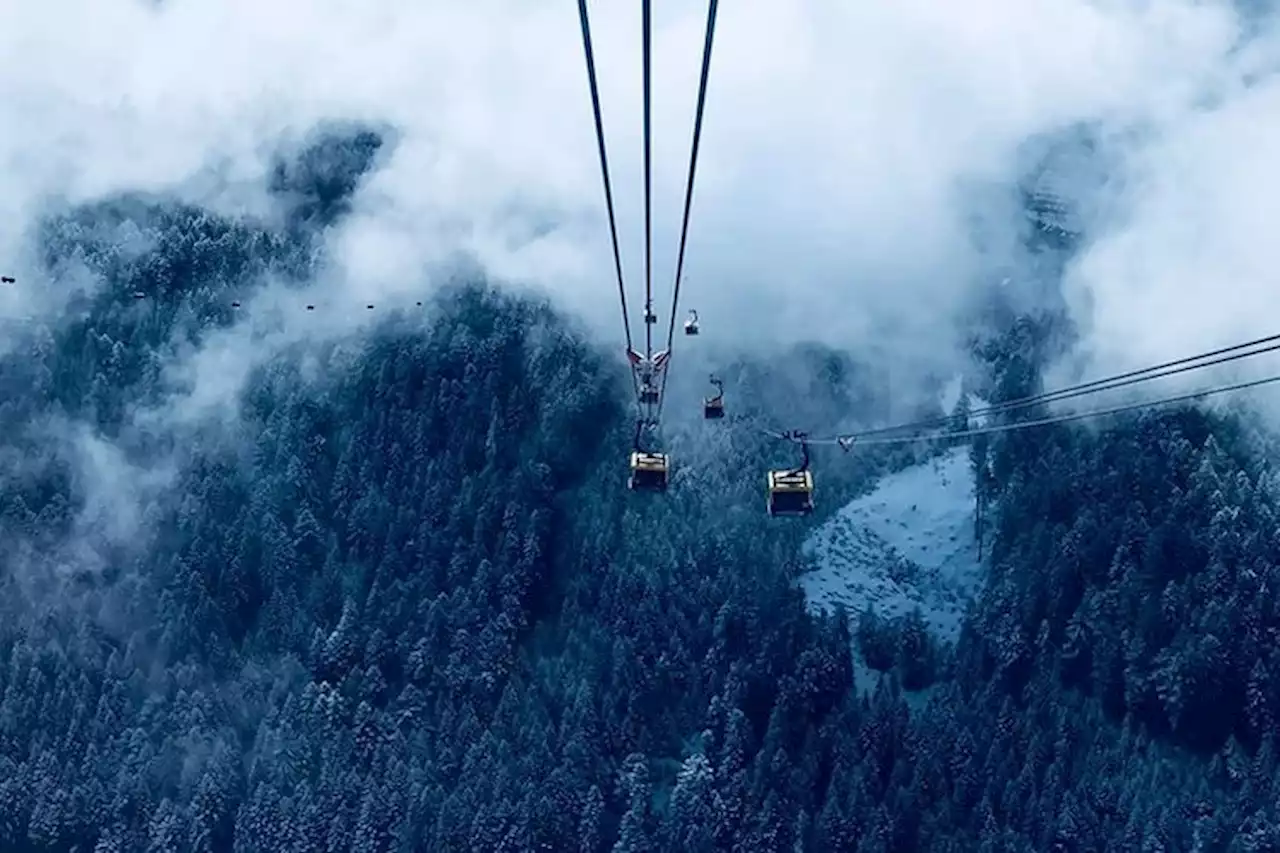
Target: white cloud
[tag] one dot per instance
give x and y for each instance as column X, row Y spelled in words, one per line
column 115, row 491
column 840, row 144
column 1192, row 264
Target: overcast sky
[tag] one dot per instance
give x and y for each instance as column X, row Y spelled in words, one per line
column 848, row 148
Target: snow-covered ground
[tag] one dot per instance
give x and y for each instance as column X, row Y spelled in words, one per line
column 910, row 543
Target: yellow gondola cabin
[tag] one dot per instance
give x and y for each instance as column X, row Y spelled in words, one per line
column 649, row 472
column 790, row 493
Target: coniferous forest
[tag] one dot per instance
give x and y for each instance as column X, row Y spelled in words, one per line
column 400, row 600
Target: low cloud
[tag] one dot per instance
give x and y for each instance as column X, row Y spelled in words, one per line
column 857, row 174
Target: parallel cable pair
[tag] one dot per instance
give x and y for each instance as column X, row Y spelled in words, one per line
column 645, row 409
column 933, row 428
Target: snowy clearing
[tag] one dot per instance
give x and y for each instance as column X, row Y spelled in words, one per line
column 908, row 544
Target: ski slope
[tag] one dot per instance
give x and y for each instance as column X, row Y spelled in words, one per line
column 910, row 543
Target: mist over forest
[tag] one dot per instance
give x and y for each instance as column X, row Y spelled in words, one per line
column 315, row 532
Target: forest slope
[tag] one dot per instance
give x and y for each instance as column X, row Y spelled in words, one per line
column 401, row 600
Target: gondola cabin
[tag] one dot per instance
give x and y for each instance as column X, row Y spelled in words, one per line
column 712, row 408
column 691, row 327
column 648, row 472
column 790, row 493
column 648, row 393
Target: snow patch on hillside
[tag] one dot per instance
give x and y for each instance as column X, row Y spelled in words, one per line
column 908, row 544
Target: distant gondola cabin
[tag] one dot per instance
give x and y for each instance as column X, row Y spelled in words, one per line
column 713, row 407
column 648, row 472
column 790, row 493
